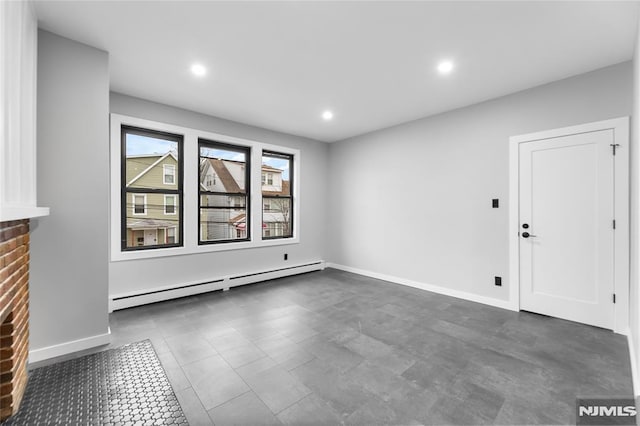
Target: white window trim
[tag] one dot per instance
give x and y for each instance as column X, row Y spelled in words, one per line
column 166, row 167
column 133, row 204
column 191, row 216
column 175, row 204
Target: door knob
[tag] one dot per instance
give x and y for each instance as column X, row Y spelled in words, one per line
column 527, row 235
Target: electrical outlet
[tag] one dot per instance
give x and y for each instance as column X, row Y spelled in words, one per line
column 498, row 281
column 495, row 203
column 286, row 256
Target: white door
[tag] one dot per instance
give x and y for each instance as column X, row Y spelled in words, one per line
column 150, row 237
column 566, row 227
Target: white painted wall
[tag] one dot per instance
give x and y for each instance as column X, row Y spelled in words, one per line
column 442, row 173
column 634, row 290
column 69, row 258
column 18, row 59
column 139, row 275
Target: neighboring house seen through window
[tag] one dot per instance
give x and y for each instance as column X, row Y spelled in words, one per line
column 148, row 202
column 277, row 195
column 151, row 189
column 224, row 192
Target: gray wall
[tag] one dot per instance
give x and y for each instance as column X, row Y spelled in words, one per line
column 414, row 201
column 69, row 260
column 137, row 275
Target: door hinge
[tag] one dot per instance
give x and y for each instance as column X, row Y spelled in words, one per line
column 614, row 298
column 614, row 145
column 614, row 224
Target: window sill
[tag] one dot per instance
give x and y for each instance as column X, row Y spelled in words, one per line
column 191, row 249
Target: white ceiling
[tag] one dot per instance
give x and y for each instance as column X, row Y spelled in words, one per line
column 279, row 65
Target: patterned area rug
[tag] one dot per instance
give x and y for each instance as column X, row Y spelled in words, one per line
column 123, row 386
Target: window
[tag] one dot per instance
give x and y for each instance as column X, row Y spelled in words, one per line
column 277, row 198
column 224, row 206
column 169, row 204
column 139, row 204
column 153, row 215
column 171, row 235
column 151, row 189
column 169, row 175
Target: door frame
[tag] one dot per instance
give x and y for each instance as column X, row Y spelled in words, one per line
column 620, row 127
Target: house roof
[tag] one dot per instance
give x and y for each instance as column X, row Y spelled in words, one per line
column 162, row 157
column 149, row 223
column 286, row 190
column 270, row 169
column 240, row 218
column 230, row 184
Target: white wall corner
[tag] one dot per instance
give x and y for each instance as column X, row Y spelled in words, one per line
column 37, row 355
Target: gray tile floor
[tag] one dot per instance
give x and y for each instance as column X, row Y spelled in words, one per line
column 333, row 347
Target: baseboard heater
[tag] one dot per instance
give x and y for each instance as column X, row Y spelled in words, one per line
column 158, row 294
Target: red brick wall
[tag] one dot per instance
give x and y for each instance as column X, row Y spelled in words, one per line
column 14, row 314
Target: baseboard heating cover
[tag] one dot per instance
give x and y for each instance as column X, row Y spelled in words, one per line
column 158, row 294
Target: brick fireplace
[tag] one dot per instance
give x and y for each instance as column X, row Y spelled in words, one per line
column 14, row 314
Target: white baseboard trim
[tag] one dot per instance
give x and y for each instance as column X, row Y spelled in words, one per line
column 37, row 355
column 634, row 363
column 174, row 291
column 504, row 304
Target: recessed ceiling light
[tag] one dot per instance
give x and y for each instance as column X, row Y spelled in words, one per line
column 198, row 70
column 445, row 67
column 327, row 115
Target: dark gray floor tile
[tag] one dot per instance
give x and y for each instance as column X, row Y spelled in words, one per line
column 284, row 351
column 170, row 327
column 277, row 388
column 381, row 382
column 294, row 359
column 374, row 412
column 436, row 373
column 242, row 355
column 340, row 357
column 380, row 353
column 312, row 410
column 192, row 407
column 189, row 347
column 174, row 372
column 514, row 412
column 342, row 394
column 214, row 381
column 253, row 369
column 224, row 339
column 244, row 410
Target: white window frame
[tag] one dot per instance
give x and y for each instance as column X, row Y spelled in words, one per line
column 133, row 204
column 191, row 188
column 166, row 167
column 175, row 204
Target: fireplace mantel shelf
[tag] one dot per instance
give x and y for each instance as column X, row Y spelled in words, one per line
column 22, row 212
